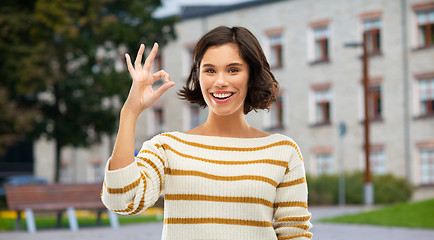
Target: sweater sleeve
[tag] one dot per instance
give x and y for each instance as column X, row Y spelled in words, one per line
column 138, row 186
column 291, row 215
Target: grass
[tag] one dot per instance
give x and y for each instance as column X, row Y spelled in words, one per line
column 84, row 218
column 412, row 215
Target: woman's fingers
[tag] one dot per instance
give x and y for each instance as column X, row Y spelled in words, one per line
column 164, row 88
column 150, row 58
column 130, row 66
column 161, row 74
column 138, row 62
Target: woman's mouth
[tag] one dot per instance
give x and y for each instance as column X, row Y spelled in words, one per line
column 222, row 97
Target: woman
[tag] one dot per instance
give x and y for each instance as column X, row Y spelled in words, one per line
column 223, row 179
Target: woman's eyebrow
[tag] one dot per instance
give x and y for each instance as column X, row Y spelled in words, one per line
column 229, row 65
column 235, row 64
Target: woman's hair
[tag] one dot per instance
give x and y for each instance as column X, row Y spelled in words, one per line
column 262, row 86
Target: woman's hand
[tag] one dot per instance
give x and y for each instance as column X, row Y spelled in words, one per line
column 141, row 95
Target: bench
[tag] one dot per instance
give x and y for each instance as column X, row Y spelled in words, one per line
column 55, row 197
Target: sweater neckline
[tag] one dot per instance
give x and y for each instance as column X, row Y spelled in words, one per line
column 206, row 137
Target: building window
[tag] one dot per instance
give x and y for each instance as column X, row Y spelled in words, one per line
column 276, row 113
column 425, row 28
column 159, row 120
column 377, row 161
column 321, row 38
column 188, row 59
column 275, row 51
column 324, row 163
column 96, row 172
column 373, row 35
column 427, row 165
column 322, row 106
column 158, row 62
column 194, row 116
column 426, row 96
column 374, row 101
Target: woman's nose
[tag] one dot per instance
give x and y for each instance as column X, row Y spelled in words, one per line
column 220, row 81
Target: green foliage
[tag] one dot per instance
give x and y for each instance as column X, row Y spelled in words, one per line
column 414, row 215
column 54, row 83
column 323, row 190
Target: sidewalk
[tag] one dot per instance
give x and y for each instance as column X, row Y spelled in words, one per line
column 152, row 231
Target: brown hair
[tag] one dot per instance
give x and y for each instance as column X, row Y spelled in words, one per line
column 262, row 86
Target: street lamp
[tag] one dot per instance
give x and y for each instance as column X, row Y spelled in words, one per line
column 368, row 188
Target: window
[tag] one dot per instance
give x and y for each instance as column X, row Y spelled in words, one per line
column 194, row 116
column 65, row 172
column 322, row 106
column 426, row 96
column 275, row 51
column 321, row 36
column 324, row 163
column 188, row 58
column 96, row 172
column 276, row 112
column 373, row 36
column 425, row 28
column 377, row 161
column 158, row 62
column 374, row 102
column 427, row 165
column 159, row 120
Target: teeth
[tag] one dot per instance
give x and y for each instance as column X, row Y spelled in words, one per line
column 222, row 95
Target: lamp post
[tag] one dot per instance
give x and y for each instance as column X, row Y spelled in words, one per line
column 368, row 188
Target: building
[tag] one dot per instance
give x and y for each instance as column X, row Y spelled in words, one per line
column 321, row 85
column 321, row 79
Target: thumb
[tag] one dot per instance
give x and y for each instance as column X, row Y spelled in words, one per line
column 164, row 88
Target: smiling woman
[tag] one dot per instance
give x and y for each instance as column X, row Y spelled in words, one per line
column 223, row 179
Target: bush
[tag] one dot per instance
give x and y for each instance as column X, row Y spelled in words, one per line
column 324, row 189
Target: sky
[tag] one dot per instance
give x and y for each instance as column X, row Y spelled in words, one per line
column 171, row 7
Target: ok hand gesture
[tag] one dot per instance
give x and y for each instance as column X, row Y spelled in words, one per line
column 141, row 95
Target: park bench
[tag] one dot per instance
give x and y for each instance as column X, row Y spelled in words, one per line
column 55, row 197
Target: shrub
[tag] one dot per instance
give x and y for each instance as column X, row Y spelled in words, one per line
column 324, row 189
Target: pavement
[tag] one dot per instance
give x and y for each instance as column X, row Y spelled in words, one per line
column 152, row 231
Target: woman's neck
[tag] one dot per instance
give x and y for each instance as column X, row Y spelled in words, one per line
column 226, row 126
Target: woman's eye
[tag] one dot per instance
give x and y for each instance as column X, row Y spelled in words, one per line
column 233, row 70
column 210, row 71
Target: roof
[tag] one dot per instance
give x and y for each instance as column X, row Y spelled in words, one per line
column 196, row 11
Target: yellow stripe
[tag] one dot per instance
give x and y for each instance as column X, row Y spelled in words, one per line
column 198, row 197
column 223, row 162
column 238, row 149
column 152, row 164
column 304, row 227
column 142, row 200
column 308, row 235
column 292, row 183
column 290, row 204
column 217, row 221
column 124, row 189
column 141, row 203
column 128, row 209
column 149, row 152
column 179, row 172
column 294, row 219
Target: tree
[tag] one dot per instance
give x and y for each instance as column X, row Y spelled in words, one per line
column 76, row 107
column 22, row 67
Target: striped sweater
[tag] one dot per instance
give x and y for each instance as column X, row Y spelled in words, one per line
column 216, row 187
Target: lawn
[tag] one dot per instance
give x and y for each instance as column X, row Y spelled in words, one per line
column 412, row 215
column 85, row 219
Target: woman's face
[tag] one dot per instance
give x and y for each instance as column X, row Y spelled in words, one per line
column 223, row 78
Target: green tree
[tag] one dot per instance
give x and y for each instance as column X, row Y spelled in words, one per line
column 76, row 108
